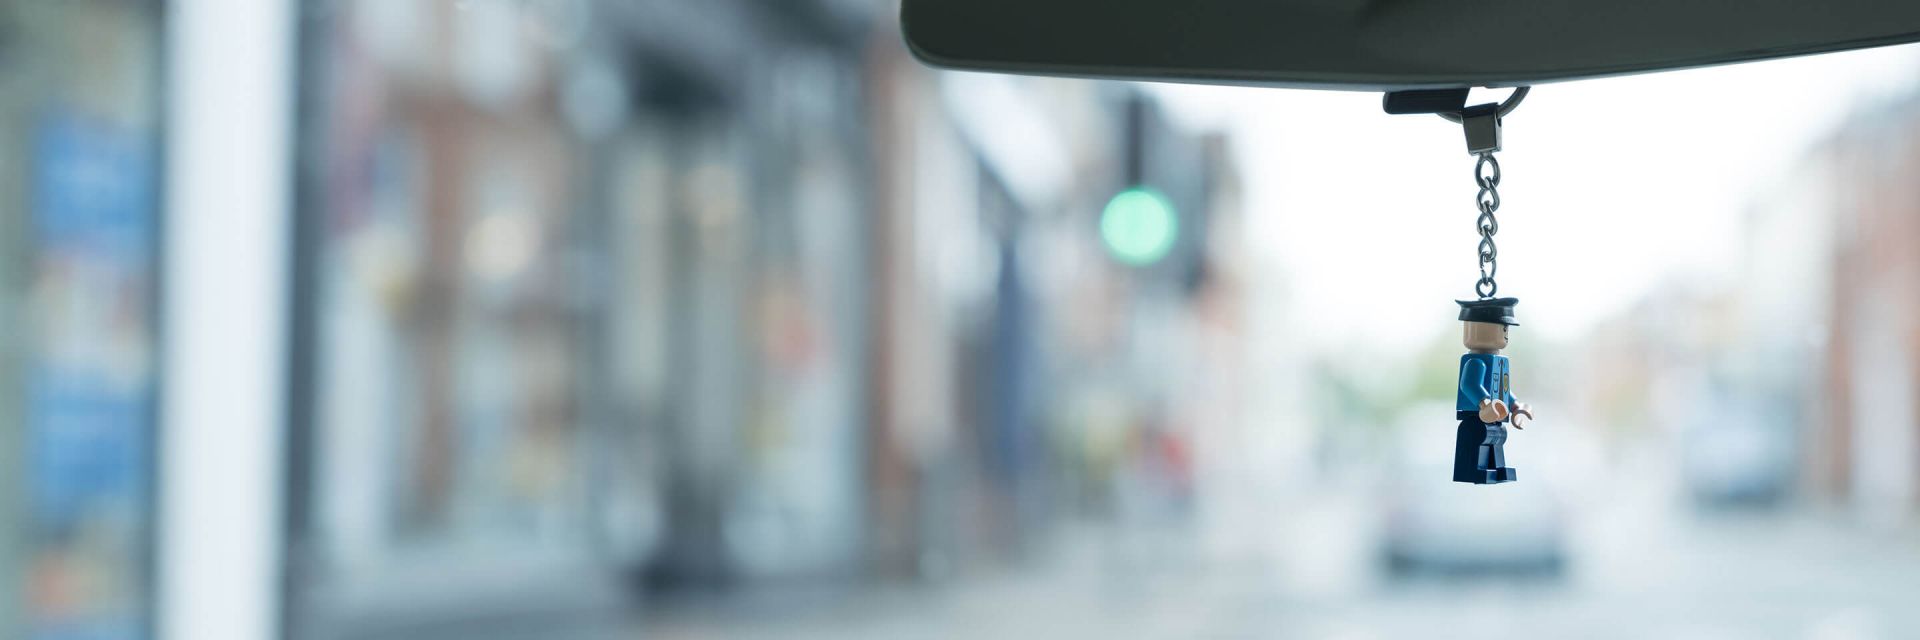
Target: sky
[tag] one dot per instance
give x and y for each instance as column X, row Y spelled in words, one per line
column 1610, row 188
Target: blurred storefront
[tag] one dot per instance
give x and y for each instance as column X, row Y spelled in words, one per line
column 740, row 222
column 658, row 298
column 446, row 441
column 599, row 302
column 585, row 291
column 80, row 108
column 1864, row 440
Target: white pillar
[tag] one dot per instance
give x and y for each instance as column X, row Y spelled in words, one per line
column 229, row 165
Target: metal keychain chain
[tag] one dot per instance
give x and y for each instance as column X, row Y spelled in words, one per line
column 1482, row 126
column 1486, row 172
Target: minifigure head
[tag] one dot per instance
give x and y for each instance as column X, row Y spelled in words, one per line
column 1485, row 337
column 1486, row 323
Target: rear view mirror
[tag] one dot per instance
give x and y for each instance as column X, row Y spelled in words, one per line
column 1386, row 44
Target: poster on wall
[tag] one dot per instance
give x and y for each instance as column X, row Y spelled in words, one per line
column 90, row 378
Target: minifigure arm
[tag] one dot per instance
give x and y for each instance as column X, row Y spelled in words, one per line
column 1519, row 409
column 1473, row 381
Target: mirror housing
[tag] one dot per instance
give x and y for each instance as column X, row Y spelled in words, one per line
column 1386, row 45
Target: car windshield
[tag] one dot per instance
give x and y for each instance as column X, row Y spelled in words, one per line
column 428, row 319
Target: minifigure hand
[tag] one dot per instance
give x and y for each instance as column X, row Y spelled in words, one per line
column 1492, row 411
column 1522, row 412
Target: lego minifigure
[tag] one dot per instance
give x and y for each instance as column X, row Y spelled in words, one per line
column 1485, row 402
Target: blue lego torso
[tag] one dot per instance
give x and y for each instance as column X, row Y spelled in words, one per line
column 1482, row 376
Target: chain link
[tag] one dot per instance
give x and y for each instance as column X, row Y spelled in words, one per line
column 1486, row 172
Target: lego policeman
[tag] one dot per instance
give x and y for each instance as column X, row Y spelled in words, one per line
column 1485, row 403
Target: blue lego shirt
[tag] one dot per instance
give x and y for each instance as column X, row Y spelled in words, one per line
column 1482, row 376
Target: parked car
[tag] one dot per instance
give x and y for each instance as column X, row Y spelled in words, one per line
column 1434, row 525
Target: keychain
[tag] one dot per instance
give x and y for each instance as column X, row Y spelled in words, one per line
column 1485, row 404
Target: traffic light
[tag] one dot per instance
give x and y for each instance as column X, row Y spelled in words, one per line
column 1139, row 226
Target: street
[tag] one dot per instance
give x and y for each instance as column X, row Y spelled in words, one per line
column 1796, row 575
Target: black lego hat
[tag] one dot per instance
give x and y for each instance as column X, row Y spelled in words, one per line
column 1493, row 310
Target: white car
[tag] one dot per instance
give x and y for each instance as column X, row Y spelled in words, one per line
column 1433, row 524
column 1437, row 525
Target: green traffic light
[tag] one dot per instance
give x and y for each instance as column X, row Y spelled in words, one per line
column 1139, row 226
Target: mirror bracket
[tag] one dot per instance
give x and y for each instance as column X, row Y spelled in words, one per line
column 1424, row 101
column 1480, row 122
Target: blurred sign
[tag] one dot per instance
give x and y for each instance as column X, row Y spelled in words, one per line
column 89, row 392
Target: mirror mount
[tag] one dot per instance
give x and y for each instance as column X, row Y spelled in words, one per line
column 1481, row 122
